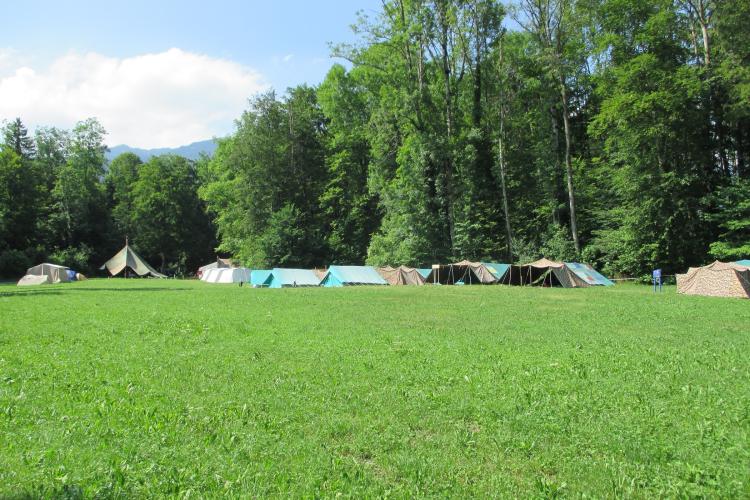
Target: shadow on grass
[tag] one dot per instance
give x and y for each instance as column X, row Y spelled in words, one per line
column 60, row 291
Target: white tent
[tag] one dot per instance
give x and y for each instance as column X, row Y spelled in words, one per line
column 44, row 273
column 227, row 275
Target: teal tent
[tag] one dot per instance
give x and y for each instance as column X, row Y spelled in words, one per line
column 588, row 274
column 424, row 272
column 282, row 278
column 260, row 278
column 352, row 275
column 497, row 270
column 745, row 262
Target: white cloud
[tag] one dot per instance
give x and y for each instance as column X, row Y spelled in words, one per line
column 153, row 100
column 288, row 58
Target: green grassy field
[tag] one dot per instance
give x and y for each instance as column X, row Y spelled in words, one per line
column 179, row 388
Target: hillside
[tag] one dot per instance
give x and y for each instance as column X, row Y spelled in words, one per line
column 191, row 151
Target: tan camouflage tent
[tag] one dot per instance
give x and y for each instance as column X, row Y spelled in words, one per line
column 44, row 273
column 720, row 279
column 127, row 258
column 401, row 275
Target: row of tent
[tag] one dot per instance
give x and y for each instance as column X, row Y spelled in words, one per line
column 540, row 273
column 125, row 260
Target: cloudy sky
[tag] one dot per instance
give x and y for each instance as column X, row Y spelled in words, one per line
column 161, row 73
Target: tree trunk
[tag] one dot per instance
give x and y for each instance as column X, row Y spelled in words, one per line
column 447, row 162
column 506, row 211
column 569, row 166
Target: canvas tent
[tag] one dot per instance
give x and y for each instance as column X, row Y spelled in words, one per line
column 283, row 278
column 228, row 275
column 127, row 258
column 468, row 273
column 44, row 274
column 720, row 279
column 260, row 277
column 219, row 264
column 401, row 275
column 545, row 272
column 352, row 275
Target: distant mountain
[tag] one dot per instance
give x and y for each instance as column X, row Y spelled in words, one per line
column 191, row 151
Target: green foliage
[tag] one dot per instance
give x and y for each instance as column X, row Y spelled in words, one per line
column 732, row 214
column 274, row 166
column 13, row 263
column 78, row 259
column 167, row 220
column 473, row 391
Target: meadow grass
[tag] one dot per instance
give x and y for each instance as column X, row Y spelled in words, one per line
column 180, row 388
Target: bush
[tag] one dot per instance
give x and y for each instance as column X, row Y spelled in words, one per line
column 76, row 258
column 13, row 263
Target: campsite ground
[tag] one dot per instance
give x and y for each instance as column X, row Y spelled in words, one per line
column 151, row 387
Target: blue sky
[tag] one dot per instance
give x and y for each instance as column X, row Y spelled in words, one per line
column 61, row 62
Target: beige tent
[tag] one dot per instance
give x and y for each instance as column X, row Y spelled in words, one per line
column 127, row 258
column 545, row 272
column 720, row 279
column 44, row 273
column 402, row 275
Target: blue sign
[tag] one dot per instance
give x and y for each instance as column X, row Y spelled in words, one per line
column 656, row 278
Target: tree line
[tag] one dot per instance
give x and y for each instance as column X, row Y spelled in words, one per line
column 615, row 132
column 61, row 201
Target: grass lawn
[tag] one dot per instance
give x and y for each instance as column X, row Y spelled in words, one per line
column 163, row 387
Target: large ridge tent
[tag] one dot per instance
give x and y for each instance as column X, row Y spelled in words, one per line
column 44, row 274
column 720, row 279
column 401, row 275
column 468, row 273
column 352, row 275
column 545, row 272
column 260, row 277
column 127, row 258
column 228, row 275
column 283, row 278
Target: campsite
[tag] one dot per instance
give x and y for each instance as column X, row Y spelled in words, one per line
column 157, row 387
column 375, row 249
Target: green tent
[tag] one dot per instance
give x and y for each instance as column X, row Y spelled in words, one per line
column 127, row 258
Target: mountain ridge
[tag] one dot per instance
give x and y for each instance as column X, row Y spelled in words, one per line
column 190, row 151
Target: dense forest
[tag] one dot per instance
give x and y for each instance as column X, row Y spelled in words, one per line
column 615, row 132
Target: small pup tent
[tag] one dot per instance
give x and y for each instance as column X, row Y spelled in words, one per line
column 352, row 275
column 401, row 275
column 127, row 258
column 545, row 272
column 283, row 278
column 719, row 279
column 745, row 263
column 468, row 273
column 44, row 274
column 228, row 275
column 424, row 272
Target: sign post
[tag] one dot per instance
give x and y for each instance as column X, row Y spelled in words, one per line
column 656, row 278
